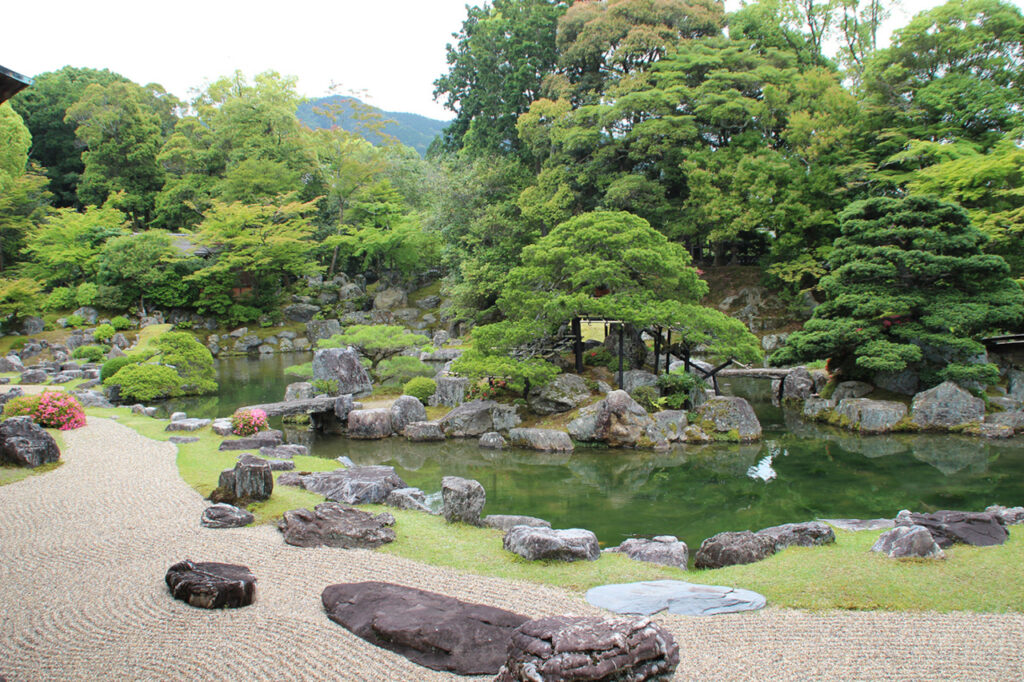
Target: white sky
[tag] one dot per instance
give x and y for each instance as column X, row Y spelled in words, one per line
column 390, row 50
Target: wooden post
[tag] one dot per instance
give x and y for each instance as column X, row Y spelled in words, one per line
column 657, row 349
column 668, row 350
column 621, row 325
column 577, row 343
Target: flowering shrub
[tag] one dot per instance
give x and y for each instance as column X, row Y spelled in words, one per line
column 486, row 390
column 248, row 422
column 52, row 409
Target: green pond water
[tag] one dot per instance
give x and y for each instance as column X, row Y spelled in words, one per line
column 800, row 471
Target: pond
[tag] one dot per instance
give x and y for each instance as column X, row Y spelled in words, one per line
column 800, row 471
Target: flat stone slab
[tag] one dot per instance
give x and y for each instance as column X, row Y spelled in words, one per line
column 334, row 525
column 432, row 630
column 269, row 438
column 290, row 408
column 223, row 515
column 860, row 524
column 355, row 485
column 507, row 521
column 209, row 585
column 188, row 424
column 675, row 596
column 182, row 440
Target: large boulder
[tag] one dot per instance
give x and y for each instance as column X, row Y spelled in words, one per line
column 798, row 385
column 413, row 499
column 11, row 363
column 432, row 630
column 590, row 648
column 551, row 440
column 423, row 431
column 908, row 541
column 300, row 312
column 1008, row 517
column 851, row 389
column 667, row 426
column 299, row 390
column 370, row 424
column 34, row 376
column 333, row 525
column 814, row 407
column 32, row 325
column 635, row 378
column 870, row 416
column 731, row 416
column 732, row 548
column 12, row 393
column 980, row 529
column 946, row 406
column 807, row 534
column 450, row 391
column 406, row 410
column 492, row 440
column 225, row 516
column 251, row 479
column 463, row 500
column 535, row 543
column 618, row 420
column 26, row 444
column 354, row 485
column 565, row 392
column 477, row 417
column 209, row 585
column 674, row 596
column 94, row 399
column 341, row 365
column 317, row 330
column 390, row 299
column 666, row 550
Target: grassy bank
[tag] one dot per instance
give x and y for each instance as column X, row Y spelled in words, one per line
column 845, row 575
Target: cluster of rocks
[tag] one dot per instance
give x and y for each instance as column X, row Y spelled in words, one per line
column 54, row 372
column 946, row 407
column 241, row 342
column 927, row 535
column 745, row 547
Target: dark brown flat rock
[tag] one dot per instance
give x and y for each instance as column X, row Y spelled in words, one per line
column 433, row 630
column 210, row 585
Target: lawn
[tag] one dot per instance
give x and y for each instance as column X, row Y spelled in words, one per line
column 845, row 575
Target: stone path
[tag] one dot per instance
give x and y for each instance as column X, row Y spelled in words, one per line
column 84, row 549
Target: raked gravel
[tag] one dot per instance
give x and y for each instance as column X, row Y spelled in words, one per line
column 84, row 549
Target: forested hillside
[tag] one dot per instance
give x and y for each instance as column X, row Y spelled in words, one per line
column 738, row 138
column 376, row 125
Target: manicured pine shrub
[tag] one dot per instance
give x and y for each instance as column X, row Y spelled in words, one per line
column 104, row 332
column 420, row 388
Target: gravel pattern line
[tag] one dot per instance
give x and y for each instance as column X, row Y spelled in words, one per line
column 84, row 550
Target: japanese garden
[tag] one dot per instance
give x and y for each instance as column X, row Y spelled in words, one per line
column 685, row 313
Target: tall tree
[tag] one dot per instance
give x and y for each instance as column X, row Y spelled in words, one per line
column 65, row 250
column 122, row 138
column 54, row 146
column 495, row 71
column 910, row 291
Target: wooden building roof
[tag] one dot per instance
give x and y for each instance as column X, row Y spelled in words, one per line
column 11, row 83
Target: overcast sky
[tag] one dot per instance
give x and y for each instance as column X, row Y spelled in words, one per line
column 391, row 50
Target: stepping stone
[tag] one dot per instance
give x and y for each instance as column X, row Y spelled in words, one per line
column 262, row 439
column 209, row 585
column 225, row 516
column 507, row 521
column 676, row 596
column 187, row 424
column 432, row 630
column 335, row 525
column 181, row 440
column 575, row 648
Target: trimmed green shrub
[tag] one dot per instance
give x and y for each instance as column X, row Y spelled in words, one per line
column 86, row 293
column 146, row 382
column 647, row 397
column 328, row 386
column 89, row 353
column 120, row 323
column 22, row 406
column 75, row 320
column 420, row 388
column 111, row 366
column 103, row 333
column 191, row 359
column 60, row 298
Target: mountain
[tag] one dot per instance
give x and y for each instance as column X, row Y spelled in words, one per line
column 410, row 129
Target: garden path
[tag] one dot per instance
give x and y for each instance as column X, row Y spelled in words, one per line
column 84, row 548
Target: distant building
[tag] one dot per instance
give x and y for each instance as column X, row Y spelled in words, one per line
column 11, row 84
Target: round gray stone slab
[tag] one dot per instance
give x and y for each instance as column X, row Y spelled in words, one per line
column 677, row 596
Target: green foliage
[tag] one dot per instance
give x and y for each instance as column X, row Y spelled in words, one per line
column 376, row 343
column 190, row 359
column 86, row 293
column 65, row 250
column 103, row 332
column 15, row 141
column 60, row 298
column 111, row 366
column 909, row 289
column 420, row 388
column 147, row 382
column 303, row 370
column 677, row 388
column 598, row 357
column 75, row 321
column 647, row 397
column 21, row 406
column 120, row 323
column 89, row 353
column 18, row 298
column 328, row 386
column 144, row 266
column 521, row 375
column 401, row 369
